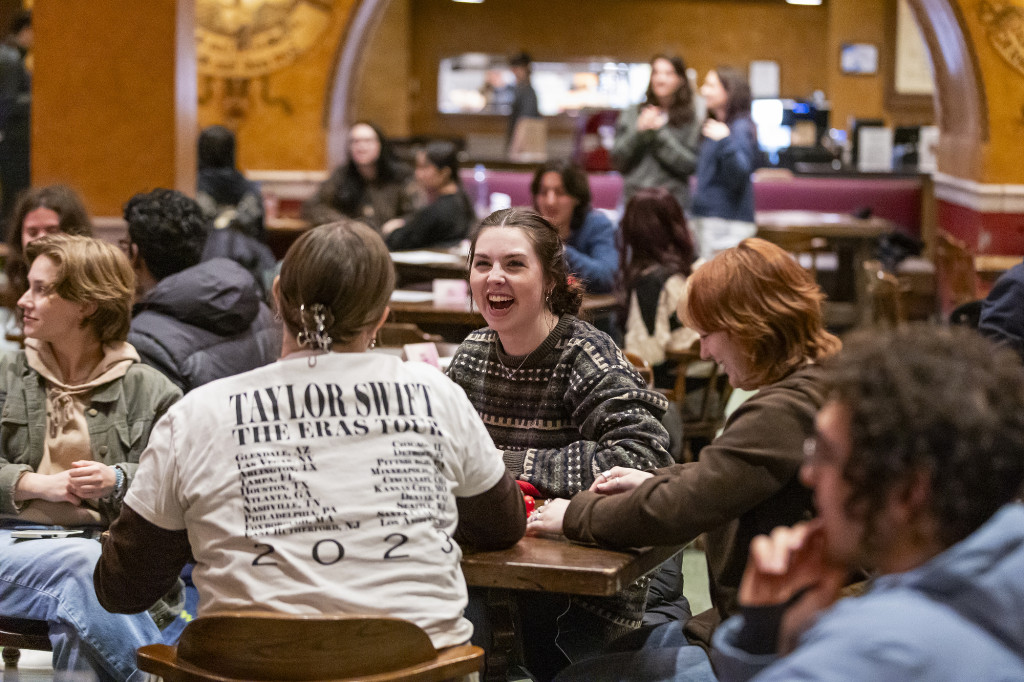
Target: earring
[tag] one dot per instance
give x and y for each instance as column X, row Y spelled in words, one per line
column 373, row 343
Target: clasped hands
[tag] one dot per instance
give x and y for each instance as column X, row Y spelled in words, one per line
column 548, row 519
column 85, row 480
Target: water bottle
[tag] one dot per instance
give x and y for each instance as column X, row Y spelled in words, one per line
column 483, row 196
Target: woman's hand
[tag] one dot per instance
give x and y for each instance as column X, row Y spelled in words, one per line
column 791, row 563
column 651, row 118
column 392, row 225
column 715, row 130
column 92, row 480
column 619, row 480
column 49, row 487
column 548, row 519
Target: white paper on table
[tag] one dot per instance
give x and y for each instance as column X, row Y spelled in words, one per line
column 427, row 258
column 450, row 292
column 410, row 296
column 423, row 352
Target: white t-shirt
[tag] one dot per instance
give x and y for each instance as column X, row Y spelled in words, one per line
column 320, row 488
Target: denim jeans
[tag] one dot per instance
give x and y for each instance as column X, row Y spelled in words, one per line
column 51, row 580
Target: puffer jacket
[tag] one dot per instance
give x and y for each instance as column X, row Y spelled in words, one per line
column 205, row 323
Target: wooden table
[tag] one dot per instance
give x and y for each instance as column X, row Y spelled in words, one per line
column 455, row 322
column 282, row 233
column 852, row 239
column 547, row 565
column 426, row 265
column 990, row 267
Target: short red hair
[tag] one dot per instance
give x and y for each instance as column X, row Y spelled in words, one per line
column 759, row 295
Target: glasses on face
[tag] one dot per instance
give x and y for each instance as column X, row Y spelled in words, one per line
column 817, row 453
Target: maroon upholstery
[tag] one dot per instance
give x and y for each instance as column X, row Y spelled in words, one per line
column 605, row 188
column 897, row 199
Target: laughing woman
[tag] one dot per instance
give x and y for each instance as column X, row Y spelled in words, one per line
column 78, row 407
column 561, row 402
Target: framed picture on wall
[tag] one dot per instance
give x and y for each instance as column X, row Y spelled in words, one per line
column 858, row 59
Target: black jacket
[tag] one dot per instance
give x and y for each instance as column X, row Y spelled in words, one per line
column 205, row 323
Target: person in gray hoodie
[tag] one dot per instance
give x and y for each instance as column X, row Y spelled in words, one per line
column 916, row 462
column 194, row 321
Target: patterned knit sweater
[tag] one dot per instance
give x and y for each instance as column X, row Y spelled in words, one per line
column 571, row 409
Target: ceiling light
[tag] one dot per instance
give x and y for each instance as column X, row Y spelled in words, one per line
column 802, row 2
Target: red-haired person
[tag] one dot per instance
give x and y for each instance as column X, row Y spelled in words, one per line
column 758, row 314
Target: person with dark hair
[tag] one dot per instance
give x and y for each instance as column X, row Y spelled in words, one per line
column 372, row 186
column 227, row 198
column 446, row 219
column 562, row 403
column 758, row 314
column 78, row 408
column 561, row 193
column 15, row 112
column 1002, row 311
column 723, row 205
column 657, row 257
column 917, row 463
column 195, row 321
column 387, row 468
column 524, row 97
column 39, row 212
column 656, row 141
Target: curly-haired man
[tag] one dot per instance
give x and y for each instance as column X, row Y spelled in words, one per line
column 916, row 462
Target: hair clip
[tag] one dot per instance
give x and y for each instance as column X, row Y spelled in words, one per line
column 314, row 327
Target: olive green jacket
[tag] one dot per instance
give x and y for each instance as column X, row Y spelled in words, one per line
column 120, row 414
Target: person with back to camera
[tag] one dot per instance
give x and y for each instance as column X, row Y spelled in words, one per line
column 657, row 257
column 656, row 141
column 227, row 198
column 355, row 433
column 195, row 321
column 758, row 314
column 78, row 407
column 446, row 219
column 372, row 186
column 15, row 111
column 41, row 211
column 917, row 464
column 561, row 193
column 524, row 97
column 562, row 403
column 723, row 204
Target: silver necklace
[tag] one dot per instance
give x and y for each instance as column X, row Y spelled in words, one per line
column 510, row 372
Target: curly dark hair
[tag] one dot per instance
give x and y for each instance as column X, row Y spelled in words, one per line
column 939, row 400
column 566, row 295
column 169, row 229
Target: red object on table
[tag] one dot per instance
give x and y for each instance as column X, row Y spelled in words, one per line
column 530, row 503
column 528, row 489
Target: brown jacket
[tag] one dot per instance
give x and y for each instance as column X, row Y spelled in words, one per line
column 745, row 484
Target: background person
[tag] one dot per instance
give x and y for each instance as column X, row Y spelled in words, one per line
column 15, row 112
column 524, row 97
column 562, row 403
column 656, row 141
column 657, row 257
column 227, row 198
column 561, row 193
column 448, row 215
column 391, row 474
column 758, row 314
column 916, row 462
column 41, row 211
column 78, row 409
column 723, row 204
column 372, row 186
column 195, row 321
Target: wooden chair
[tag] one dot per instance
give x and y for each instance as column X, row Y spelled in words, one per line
column 276, row 646
column 397, row 334
column 22, row 633
column 884, row 295
column 643, row 367
column 957, row 278
column 805, row 248
column 908, row 295
column 703, row 410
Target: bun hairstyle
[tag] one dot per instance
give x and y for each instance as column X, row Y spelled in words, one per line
column 343, row 272
column 565, row 294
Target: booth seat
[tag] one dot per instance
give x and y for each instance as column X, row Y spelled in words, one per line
column 605, row 188
column 896, row 199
